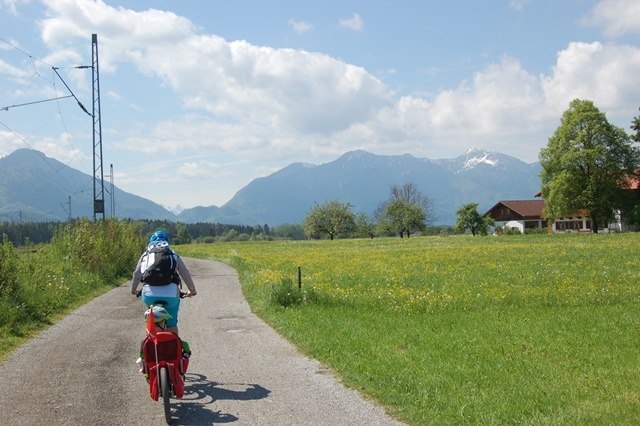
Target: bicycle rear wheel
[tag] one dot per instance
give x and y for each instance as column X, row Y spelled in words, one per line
column 165, row 389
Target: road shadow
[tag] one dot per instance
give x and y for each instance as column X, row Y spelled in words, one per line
column 194, row 408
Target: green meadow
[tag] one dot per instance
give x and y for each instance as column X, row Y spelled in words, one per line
column 536, row 329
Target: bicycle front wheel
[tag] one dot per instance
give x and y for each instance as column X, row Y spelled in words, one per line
column 165, row 388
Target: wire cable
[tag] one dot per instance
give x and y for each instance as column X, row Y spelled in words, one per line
column 6, row 108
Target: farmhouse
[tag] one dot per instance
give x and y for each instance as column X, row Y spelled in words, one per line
column 519, row 214
column 528, row 214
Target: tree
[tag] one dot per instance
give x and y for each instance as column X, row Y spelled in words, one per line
column 183, row 236
column 586, row 165
column 635, row 125
column 469, row 218
column 289, row 231
column 407, row 210
column 632, row 207
column 331, row 218
column 365, row 227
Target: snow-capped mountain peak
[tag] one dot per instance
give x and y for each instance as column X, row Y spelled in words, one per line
column 475, row 157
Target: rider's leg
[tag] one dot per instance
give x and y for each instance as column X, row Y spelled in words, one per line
column 173, row 307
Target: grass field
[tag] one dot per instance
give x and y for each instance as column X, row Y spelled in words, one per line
column 540, row 329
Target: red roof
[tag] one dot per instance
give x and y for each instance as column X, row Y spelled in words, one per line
column 527, row 209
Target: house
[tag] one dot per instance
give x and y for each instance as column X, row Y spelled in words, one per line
column 528, row 214
column 519, row 214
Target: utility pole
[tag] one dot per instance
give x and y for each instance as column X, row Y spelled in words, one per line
column 112, row 192
column 98, row 174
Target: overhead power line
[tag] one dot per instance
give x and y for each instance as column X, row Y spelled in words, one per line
column 6, row 108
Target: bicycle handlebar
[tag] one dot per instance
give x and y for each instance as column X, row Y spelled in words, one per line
column 182, row 294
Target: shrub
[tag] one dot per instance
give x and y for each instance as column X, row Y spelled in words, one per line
column 107, row 248
column 8, row 270
column 287, row 295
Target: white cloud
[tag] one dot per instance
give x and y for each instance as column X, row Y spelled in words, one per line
column 504, row 107
column 61, row 149
column 606, row 74
column 273, row 106
column 278, row 89
column 300, row 26
column 9, row 142
column 122, row 33
column 354, row 23
column 11, row 71
column 615, row 17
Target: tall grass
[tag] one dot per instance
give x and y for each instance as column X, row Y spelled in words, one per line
column 537, row 329
column 38, row 282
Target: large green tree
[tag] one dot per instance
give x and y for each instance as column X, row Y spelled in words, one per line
column 406, row 211
column 331, row 218
column 469, row 218
column 586, row 165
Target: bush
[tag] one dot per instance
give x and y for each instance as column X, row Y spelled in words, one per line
column 287, row 295
column 8, row 270
column 505, row 230
column 10, row 292
column 108, row 248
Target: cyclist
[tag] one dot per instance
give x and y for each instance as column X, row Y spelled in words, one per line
column 168, row 294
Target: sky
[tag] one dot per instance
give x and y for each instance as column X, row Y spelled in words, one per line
column 200, row 97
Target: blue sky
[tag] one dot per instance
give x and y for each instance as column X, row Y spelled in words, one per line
column 199, row 97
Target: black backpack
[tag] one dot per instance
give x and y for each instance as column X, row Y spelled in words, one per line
column 162, row 267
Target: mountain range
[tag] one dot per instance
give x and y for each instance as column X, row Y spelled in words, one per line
column 37, row 188
column 34, row 187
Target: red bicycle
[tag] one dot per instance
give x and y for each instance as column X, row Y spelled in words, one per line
column 164, row 363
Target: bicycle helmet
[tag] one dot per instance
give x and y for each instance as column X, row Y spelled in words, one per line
column 159, row 236
column 160, row 314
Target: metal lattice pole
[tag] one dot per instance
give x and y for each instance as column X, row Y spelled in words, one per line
column 98, row 174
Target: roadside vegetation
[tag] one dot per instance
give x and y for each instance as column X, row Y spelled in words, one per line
column 40, row 282
column 538, row 329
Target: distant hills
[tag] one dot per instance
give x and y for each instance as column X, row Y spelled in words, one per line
column 34, row 187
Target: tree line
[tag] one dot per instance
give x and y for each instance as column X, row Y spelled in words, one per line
column 406, row 212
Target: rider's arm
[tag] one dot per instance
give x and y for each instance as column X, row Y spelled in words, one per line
column 186, row 277
column 137, row 275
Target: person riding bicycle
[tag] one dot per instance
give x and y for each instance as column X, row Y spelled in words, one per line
column 165, row 290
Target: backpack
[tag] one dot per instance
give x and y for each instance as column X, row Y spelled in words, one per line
column 161, row 265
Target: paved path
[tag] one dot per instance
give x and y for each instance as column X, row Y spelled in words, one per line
column 81, row 371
